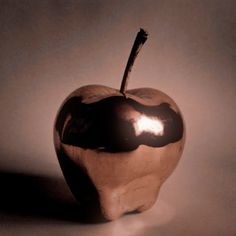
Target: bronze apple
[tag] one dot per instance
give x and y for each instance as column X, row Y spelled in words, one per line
column 117, row 147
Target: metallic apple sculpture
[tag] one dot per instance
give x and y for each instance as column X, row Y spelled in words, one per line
column 117, row 147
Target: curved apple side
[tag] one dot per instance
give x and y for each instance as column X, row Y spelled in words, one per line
column 113, row 183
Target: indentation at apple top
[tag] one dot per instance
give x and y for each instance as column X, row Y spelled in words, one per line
column 117, row 124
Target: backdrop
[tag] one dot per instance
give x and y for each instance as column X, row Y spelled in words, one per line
column 50, row 48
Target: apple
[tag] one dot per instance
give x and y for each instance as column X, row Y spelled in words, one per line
column 117, row 147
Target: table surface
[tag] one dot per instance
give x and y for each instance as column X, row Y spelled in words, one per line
column 41, row 204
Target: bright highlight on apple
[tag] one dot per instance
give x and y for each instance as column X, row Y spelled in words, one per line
column 148, row 124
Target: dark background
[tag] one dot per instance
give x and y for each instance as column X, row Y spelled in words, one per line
column 49, row 48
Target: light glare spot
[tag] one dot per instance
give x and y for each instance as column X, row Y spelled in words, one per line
column 148, row 124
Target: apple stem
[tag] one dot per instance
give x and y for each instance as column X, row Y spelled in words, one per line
column 138, row 43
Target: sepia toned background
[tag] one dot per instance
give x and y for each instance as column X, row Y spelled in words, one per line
column 50, row 48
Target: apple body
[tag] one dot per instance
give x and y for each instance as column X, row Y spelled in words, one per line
column 116, row 151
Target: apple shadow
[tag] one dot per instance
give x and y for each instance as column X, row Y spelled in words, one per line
column 37, row 196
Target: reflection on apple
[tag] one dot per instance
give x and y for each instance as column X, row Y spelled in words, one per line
column 148, row 124
column 117, row 147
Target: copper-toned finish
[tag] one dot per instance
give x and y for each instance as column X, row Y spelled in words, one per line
column 116, row 148
column 116, row 151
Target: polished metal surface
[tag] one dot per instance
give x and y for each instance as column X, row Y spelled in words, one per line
column 117, row 124
column 139, row 136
